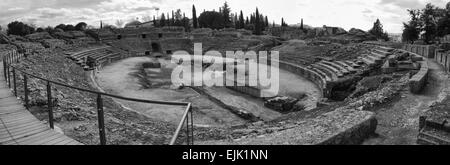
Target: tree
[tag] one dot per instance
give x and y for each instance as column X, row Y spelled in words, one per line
column 49, row 29
column 377, row 31
column 444, row 23
column 412, row 29
column 283, row 24
column 241, row 21
column 162, row 22
column 258, row 27
column 81, row 26
column 301, row 24
column 211, row 19
column 429, row 24
column 194, row 17
column 178, row 18
column 225, row 11
column 20, row 28
column 40, row 30
column 60, row 26
column 69, row 28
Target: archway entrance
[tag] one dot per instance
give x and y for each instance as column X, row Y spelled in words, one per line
column 156, row 47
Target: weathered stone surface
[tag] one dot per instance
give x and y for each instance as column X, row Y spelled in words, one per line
column 344, row 126
column 39, row 36
column 4, row 39
column 282, row 103
column 151, row 65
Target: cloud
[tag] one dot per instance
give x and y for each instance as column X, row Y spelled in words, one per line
column 343, row 13
column 405, row 4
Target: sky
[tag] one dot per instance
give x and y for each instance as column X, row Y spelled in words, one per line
column 347, row 14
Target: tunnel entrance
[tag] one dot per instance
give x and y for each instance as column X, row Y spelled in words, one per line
column 156, row 47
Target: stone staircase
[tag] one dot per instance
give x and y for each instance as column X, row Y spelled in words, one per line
column 432, row 136
column 332, row 71
column 95, row 54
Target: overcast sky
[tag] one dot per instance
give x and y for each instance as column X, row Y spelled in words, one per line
column 343, row 13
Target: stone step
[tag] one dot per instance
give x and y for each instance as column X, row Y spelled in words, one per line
column 387, row 49
column 80, row 62
column 374, row 58
column 322, row 74
column 381, row 56
column 349, row 68
column 336, row 71
column 353, row 64
column 327, row 71
column 434, row 136
column 382, row 52
column 344, row 70
column 88, row 52
column 100, row 56
column 367, row 61
column 422, row 141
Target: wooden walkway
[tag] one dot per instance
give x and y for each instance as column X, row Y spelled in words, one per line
column 19, row 127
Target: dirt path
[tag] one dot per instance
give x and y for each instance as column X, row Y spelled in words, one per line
column 398, row 122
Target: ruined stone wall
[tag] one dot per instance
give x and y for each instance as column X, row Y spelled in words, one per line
column 308, row 74
column 419, row 80
column 443, row 58
column 287, row 32
column 422, row 50
column 445, row 39
column 339, row 127
column 176, row 44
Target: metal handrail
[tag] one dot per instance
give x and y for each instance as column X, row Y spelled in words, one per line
column 11, row 58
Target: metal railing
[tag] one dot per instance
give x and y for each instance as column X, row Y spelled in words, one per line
column 11, row 72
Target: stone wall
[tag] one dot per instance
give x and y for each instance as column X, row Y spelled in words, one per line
column 422, row 50
column 443, row 58
column 339, row 127
column 308, row 74
column 419, row 80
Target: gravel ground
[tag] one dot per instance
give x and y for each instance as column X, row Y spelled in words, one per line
column 399, row 120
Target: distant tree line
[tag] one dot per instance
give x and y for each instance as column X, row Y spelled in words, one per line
column 177, row 19
column 224, row 18
column 23, row 29
column 427, row 24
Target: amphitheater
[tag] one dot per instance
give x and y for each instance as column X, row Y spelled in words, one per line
column 113, row 86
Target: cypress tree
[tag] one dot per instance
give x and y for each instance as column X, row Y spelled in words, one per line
column 301, row 24
column 194, row 17
column 241, row 21
column 162, row 22
column 258, row 27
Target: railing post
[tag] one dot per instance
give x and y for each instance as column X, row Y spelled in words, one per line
column 50, row 105
column 25, row 87
column 187, row 130
column 9, row 78
column 101, row 120
column 14, row 82
column 192, row 125
column 4, row 68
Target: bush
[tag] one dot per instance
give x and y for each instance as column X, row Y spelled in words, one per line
column 20, row 29
column 211, row 19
